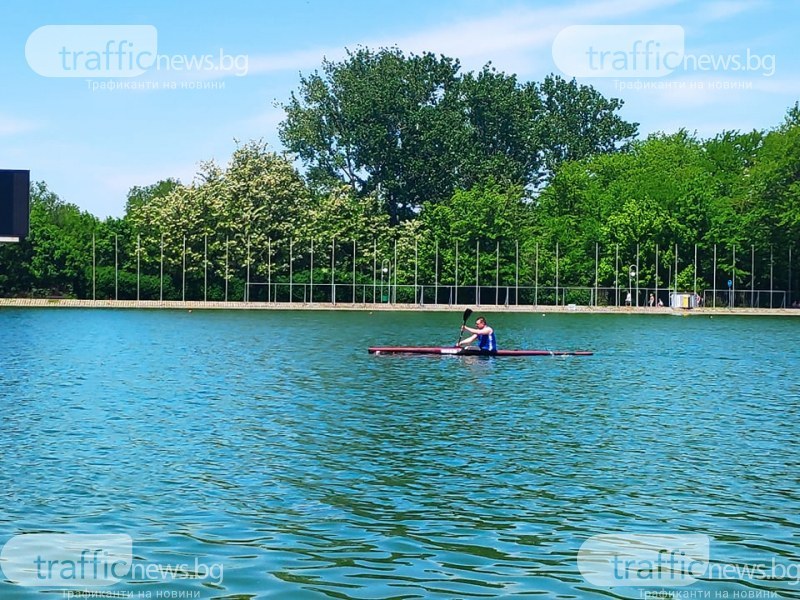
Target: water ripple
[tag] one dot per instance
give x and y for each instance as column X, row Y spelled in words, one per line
column 307, row 468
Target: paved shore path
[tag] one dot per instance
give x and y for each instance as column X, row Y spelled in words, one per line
column 488, row 308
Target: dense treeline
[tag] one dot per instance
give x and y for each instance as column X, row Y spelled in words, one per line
column 412, row 163
column 414, row 129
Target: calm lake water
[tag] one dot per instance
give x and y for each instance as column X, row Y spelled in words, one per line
column 271, row 453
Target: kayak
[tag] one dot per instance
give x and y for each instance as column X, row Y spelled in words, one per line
column 454, row 351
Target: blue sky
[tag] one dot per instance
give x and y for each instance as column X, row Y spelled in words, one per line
column 91, row 144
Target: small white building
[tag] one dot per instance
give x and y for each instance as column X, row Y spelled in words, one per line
column 685, row 300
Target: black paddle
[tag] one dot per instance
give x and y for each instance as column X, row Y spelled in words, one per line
column 467, row 313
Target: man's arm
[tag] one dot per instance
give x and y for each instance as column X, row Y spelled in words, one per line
column 484, row 331
column 468, row 341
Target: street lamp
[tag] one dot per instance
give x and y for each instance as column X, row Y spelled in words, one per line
column 385, row 271
column 631, row 277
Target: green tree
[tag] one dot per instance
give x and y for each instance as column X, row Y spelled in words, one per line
column 229, row 219
column 579, row 122
column 652, row 198
column 480, row 220
column 367, row 120
column 412, row 129
column 56, row 257
column 141, row 195
column 770, row 211
column 503, row 130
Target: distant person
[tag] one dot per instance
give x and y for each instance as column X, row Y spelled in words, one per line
column 660, row 303
column 628, row 299
column 483, row 334
column 652, row 300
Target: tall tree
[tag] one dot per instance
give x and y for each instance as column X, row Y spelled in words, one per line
column 228, row 217
column 377, row 121
column 503, row 131
column 141, row 195
column 578, row 122
column 660, row 193
column 413, row 129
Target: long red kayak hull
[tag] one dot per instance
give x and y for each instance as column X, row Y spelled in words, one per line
column 453, row 351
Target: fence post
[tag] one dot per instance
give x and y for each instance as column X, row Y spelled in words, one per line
column 311, row 279
column 161, row 272
column 455, row 287
column 269, row 269
column 596, row 270
column 790, row 277
column 752, row 274
column 497, row 278
column 516, row 274
column 477, row 273
column 394, row 295
column 616, row 275
column 676, row 269
column 771, row 280
column 656, row 274
column 556, row 273
column 637, row 275
column 183, row 286
column 94, row 269
column 333, row 270
column 416, row 268
column 247, row 279
column 536, row 278
column 291, row 270
column 183, row 280
column 227, row 275
column 714, row 288
column 436, row 275
column 733, row 280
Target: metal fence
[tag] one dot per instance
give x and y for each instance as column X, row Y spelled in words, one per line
column 345, row 273
column 449, row 295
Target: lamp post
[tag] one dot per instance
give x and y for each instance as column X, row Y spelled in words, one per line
column 385, row 271
column 631, row 277
column 669, row 282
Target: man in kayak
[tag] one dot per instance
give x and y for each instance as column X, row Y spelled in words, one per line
column 483, row 333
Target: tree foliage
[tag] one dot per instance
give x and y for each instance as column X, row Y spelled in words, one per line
column 413, row 129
